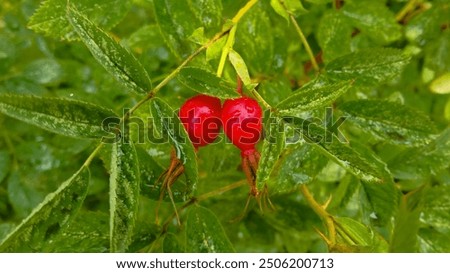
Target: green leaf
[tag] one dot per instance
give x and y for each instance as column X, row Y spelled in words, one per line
column 123, row 195
column 87, row 233
column 365, row 166
column 171, row 244
column 177, row 23
column 299, row 164
column 369, row 66
column 207, row 12
column 434, row 241
column 167, row 121
column 286, row 7
column 334, row 35
column 383, row 201
column 111, row 55
column 404, row 238
column 375, row 20
column 390, row 121
column 50, row 17
column 311, row 97
column 436, row 211
column 205, row 82
column 62, row 116
column 44, row 71
column 358, row 237
column 49, row 217
column 441, row 85
column 273, row 146
column 422, row 162
column 240, row 66
column 426, row 26
column 254, row 40
column 204, row 233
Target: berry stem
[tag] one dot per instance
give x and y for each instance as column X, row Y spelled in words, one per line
column 410, row 6
column 226, row 50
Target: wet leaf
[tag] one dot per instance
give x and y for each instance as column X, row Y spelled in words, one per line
column 124, row 195
column 334, row 35
column 50, row 217
column 391, row 121
column 205, row 82
column 369, row 66
column 204, row 233
column 311, row 97
column 373, row 19
column 62, row 116
column 365, row 166
column 111, row 55
column 50, row 18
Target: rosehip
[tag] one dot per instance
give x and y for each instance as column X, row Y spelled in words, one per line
column 200, row 116
column 241, row 119
column 242, row 123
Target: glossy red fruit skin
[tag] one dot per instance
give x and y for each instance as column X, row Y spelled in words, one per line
column 242, row 123
column 201, row 117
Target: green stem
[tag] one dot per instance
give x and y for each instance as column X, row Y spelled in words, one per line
column 410, row 6
column 243, row 11
column 305, row 43
column 261, row 99
column 226, row 50
column 92, row 155
column 319, row 210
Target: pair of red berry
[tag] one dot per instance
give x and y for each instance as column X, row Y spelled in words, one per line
column 203, row 117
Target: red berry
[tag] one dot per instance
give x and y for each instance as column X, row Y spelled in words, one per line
column 241, row 119
column 200, row 116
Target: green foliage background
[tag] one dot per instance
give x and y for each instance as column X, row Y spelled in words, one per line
column 383, row 175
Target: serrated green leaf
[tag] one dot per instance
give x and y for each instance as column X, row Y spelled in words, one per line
column 62, row 116
column 299, row 164
column 176, row 22
column 87, row 233
column 254, row 40
column 207, row 12
column 375, row 20
column 311, row 97
column 369, row 66
column 50, row 217
column 167, row 121
column 205, row 82
column 390, row 121
column 404, row 237
column 215, row 50
column 123, row 195
column 111, row 55
column 274, row 143
column 359, row 237
column 334, row 35
column 50, row 17
column 365, row 166
column 422, row 162
column 204, row 233
column 240, row 66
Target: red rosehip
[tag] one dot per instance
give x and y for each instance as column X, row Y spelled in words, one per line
column 242, row 123
column 200, row 116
